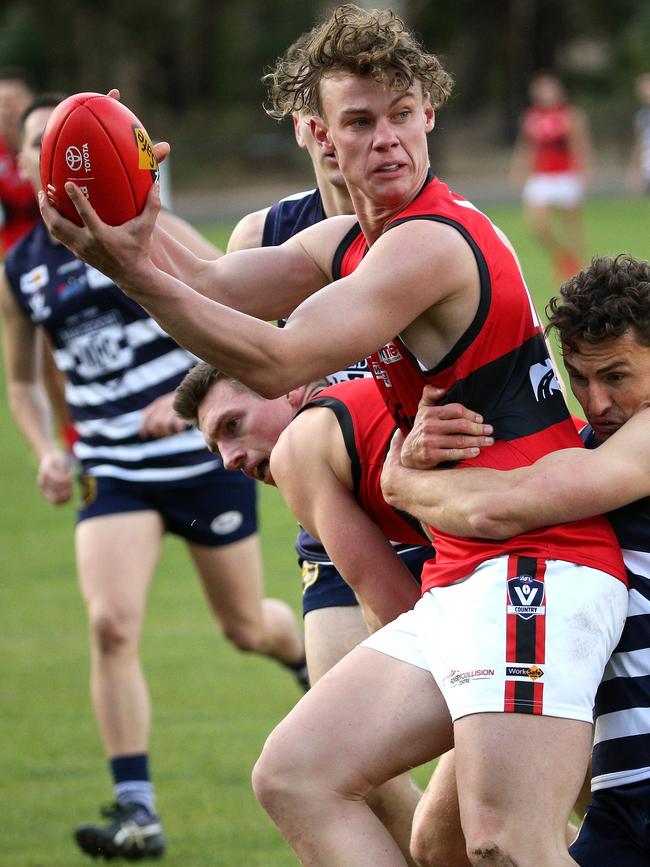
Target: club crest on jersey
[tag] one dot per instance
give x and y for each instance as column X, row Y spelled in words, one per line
column 34, row 280
column 543, row 380
column 389, row 354
column 526, row 597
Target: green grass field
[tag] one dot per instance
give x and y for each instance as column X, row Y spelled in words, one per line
column 212, row 706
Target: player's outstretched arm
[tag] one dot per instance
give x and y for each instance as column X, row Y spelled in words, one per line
column 311, row 467
column 563, row 486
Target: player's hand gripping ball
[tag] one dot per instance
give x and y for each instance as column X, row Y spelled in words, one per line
column 98, row 144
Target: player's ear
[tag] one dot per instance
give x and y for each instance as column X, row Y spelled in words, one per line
column 320, row 132
column 429, row 114
column 295, row 397
column 297, row 128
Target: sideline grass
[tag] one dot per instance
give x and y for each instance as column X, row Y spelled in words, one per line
column 212, row 706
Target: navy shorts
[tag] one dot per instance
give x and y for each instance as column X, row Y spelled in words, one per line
column 323, row 587
column 215, row 508
column 616, row 828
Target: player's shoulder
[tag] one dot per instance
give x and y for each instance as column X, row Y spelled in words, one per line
column 248, row 232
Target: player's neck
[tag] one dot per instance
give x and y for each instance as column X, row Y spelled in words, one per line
column 336, row 200
column 312, row 389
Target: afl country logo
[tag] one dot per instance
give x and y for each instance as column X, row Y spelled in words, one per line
column 227, row 522
column 526, row 597
column 73, row 158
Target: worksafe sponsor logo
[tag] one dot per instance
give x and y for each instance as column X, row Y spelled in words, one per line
column 534, row 672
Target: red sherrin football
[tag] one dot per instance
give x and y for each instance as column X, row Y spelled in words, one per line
column 96, row 142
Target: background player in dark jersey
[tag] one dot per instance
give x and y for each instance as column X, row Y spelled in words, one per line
column 550, row 162
column 121, row 371
column 426, row 270
column 602, row 318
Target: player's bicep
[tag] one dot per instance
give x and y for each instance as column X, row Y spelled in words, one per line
column 270, row 282
column 21, row 338
column 410, row 269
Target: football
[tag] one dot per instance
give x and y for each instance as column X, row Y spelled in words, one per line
column 101, row 146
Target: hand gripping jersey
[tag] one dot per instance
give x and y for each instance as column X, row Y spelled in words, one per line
column 17, row 200
column 367, row 430
column 116, row 360
column 500, row 368
column 548, row 131
column 621, row 752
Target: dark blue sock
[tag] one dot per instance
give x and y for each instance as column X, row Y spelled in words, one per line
column 131, row 782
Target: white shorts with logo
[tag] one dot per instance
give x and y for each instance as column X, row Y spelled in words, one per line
column 518, row 635
column 560, row 189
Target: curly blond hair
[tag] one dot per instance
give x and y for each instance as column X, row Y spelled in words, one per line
column 367, row 42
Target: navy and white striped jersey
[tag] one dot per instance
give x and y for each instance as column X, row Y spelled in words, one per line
column 622, row 712
column 116, row 360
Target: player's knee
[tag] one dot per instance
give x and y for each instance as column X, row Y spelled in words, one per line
column 486, row 842
column 111, row 631
column 274, row 777
column 247, row 637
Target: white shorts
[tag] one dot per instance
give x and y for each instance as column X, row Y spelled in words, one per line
column 518, row 635
column 560, row 189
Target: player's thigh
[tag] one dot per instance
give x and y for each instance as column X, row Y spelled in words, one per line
column 508, row 761
column 330, row 633
column 116, row 558
column 232, row 578
column 377, row 715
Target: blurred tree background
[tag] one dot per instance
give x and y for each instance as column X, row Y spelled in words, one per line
column 191, row 70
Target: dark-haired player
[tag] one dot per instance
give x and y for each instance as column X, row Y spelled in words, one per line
column 602, row 318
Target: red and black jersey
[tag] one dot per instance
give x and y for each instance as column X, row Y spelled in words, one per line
column 19, row 205
column 500, row 367
column 548, row 131
column 367, row 430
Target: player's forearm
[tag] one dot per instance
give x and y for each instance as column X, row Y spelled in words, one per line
column 248, row 349
column 31, row 412
column 448, row 500
column 381, row 581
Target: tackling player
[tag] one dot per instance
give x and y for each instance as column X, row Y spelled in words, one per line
column 602, row 318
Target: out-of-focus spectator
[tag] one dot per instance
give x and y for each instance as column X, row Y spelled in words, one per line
column 638, row 176
column 550, row 164
column 17, row 200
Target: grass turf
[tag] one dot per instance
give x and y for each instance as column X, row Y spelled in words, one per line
column 212, row 705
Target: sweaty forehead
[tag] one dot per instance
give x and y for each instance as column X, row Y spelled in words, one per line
column 592, row 357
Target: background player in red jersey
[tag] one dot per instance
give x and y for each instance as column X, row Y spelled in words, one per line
column 438, row 274
column 551, row 162
column 17, row 199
